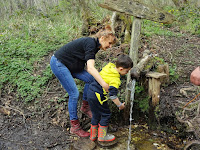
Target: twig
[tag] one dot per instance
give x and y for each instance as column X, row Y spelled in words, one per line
column 192, row 100
column 20, row 112
column 45, row 92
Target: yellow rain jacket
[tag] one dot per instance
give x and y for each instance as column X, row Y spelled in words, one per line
column 111, row 76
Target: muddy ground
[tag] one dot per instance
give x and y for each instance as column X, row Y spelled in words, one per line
column 45, row 125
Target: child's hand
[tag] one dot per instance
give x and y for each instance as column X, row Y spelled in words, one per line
column 122, row 106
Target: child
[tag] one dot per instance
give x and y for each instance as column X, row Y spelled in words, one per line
column 97, row 98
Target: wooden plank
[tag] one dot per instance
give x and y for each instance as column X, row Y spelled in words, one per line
column 156, row 75
column 139, row 10
column 150, row 89
column 155, row 91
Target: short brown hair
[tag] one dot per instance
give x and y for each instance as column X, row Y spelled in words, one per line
column 124, row 61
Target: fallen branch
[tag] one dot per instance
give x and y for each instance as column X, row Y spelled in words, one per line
column 191, row 143
column 20, row 112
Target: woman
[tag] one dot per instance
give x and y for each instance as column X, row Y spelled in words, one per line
column 77, row 60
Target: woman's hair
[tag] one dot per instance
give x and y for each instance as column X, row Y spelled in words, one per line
column 124, row 61
column 107, row 33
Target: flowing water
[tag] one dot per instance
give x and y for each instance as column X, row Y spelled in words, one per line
column 132, row 89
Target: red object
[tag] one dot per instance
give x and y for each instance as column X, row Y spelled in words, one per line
column 93, row 132
column 76, row 129
column 85, row 108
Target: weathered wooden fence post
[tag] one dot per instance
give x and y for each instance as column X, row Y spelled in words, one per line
column 133, row 53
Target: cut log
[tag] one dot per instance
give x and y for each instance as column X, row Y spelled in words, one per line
column 139, row 10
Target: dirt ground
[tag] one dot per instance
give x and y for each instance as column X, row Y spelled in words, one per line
column 45, row 124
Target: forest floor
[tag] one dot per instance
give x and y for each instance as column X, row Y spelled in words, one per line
column 45, row 124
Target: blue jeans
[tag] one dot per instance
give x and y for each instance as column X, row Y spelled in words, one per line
column 66, row 78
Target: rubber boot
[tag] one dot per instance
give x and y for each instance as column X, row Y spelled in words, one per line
column 85, row 108
column 93, row 132
column 76, row 129
column 103, row 136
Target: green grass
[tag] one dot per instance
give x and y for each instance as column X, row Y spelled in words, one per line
column 26, row 39
column 187, row 21
column 150, row 28
column 187, row 18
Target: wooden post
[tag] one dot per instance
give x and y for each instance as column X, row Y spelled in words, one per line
column 154, row 86
column 135, row 37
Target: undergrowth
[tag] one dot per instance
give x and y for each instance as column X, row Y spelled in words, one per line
column 26, row 39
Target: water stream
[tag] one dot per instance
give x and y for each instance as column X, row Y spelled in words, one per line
column 131, row 87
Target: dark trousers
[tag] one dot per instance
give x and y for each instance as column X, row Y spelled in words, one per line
column 100, row 113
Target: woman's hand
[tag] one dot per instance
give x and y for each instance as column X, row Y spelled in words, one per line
column 195, row 76
column 93, row 71
column 105, row 86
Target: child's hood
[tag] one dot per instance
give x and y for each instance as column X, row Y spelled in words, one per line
column 110, row 70
column 110, row 75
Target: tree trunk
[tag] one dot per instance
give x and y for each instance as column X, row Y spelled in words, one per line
column 85, row 14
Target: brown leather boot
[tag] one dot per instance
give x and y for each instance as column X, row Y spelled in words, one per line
column 93, row 132
column 103, row 136
column 76, row 129
column 85, row 108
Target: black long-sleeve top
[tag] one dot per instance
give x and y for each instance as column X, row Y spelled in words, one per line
column 75, row 54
